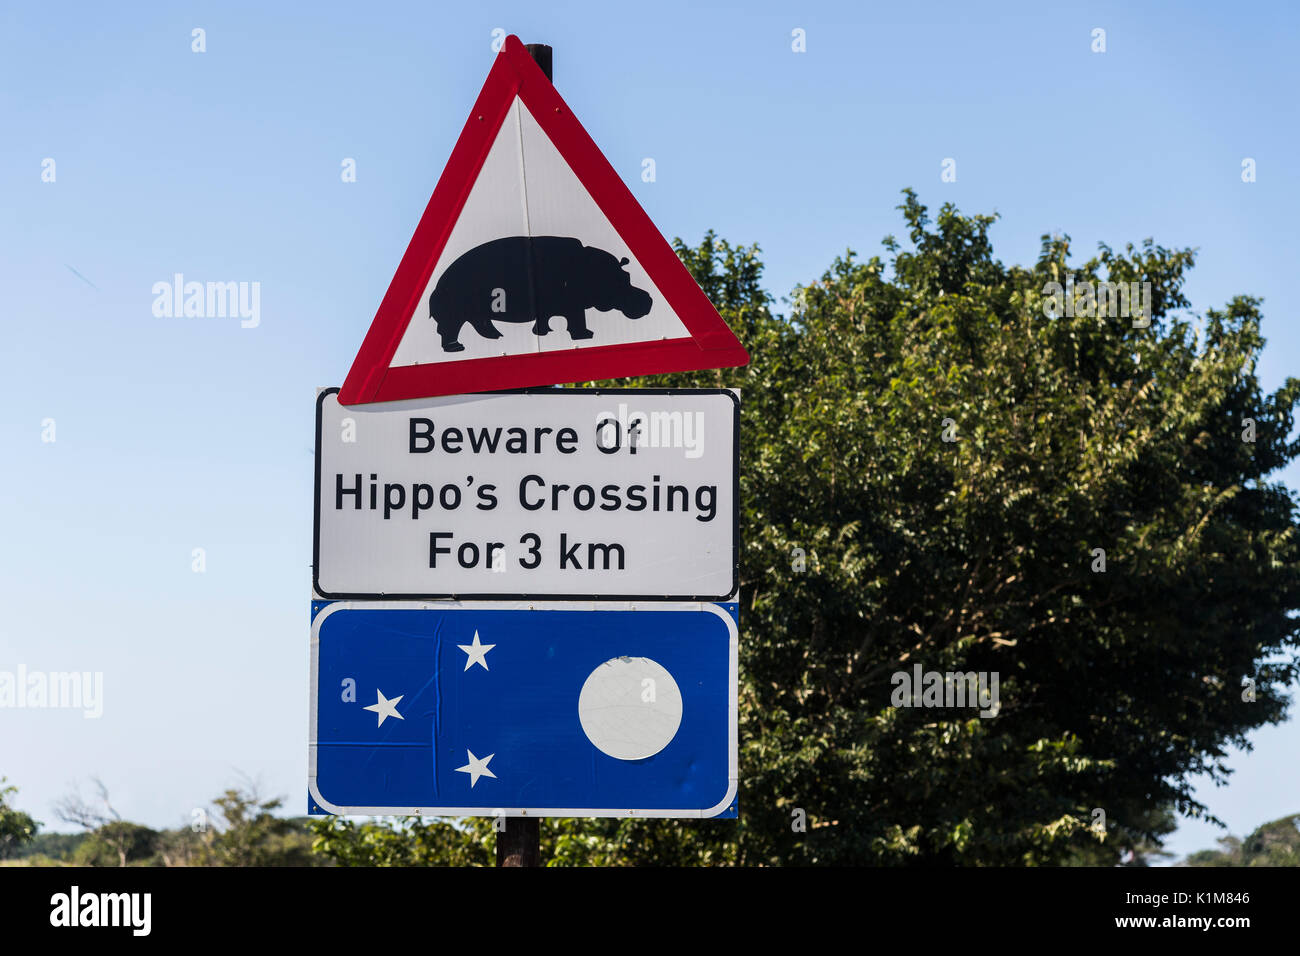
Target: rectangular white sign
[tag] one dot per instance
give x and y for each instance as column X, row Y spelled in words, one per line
column 555, row 493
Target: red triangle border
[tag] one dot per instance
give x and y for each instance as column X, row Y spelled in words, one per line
column 711, row 345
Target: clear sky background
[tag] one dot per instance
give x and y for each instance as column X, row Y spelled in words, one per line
column 175, row 434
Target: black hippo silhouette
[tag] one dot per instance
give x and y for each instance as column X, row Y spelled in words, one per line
column 531, row 279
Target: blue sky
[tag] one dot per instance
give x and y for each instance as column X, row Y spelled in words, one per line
column 176, row 434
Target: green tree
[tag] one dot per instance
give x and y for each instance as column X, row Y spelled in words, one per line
column 46, row 849
column 247, row 832
column 110, row 840
column 117, row 843
column 182, row 846
column 935, row 472
column 1274, row 844
column 405, row 841
column 16, row 827
column 1141, row 839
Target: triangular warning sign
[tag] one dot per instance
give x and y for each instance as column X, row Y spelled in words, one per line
column 533, row 264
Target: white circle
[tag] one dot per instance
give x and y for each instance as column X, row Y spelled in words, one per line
column 630, row 708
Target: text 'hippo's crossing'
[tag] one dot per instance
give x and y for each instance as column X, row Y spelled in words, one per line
column 557, row 492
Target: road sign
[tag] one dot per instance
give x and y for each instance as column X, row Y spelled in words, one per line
column 543, row 493
column 519, row 709
column 533, row 264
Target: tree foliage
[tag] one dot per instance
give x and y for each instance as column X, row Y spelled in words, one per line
column 247, row 832
column 1074, row 433
column 117, row 843
column 16, row 827
column 1274, row 844
column 242, row 829
column 406, row 841
column 111, row 840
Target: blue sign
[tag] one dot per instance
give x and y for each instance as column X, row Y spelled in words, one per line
column 512, row 708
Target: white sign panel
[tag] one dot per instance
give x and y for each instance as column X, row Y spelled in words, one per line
column 555, row 493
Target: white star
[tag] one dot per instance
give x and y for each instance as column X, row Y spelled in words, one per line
column 476, row 768
column 385, row 707
column 477, row 653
